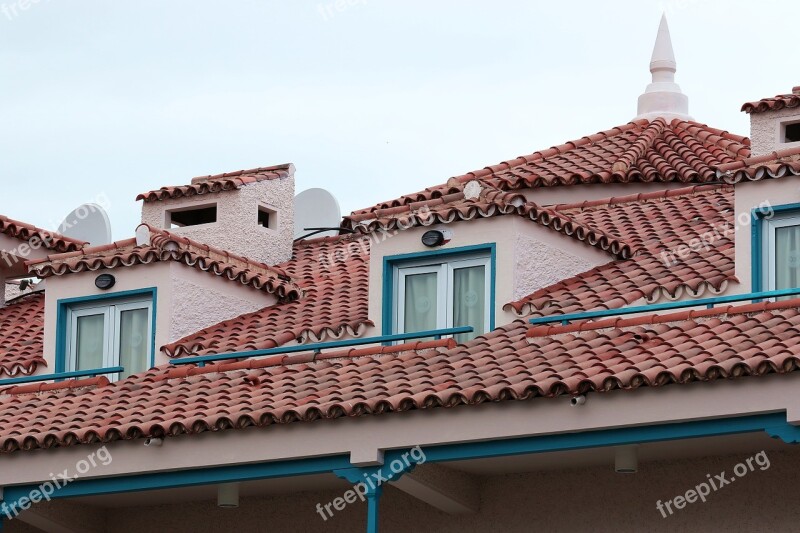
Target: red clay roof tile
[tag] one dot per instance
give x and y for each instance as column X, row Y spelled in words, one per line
column 772, row 165
column 512, row 363
column 49, row 240
column 22, row 334
column 681, row 151
column 659, row 226
column 776, row 103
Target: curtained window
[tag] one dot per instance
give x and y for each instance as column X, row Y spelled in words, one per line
column 117, row 334
column 442, row 295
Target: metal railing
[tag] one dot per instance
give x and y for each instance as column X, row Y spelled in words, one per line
column 62, row 375
column 708, row 302
column 318, row 347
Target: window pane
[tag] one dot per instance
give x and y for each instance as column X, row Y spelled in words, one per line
column 421, row 307
column 89, row 342
column 787, row 257
column 133, row 341
column 469, row 300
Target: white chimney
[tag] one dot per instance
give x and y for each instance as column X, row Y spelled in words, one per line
column 663, row 97
column 249, row 212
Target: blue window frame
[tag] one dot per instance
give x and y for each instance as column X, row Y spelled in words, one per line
column 775, row 247
column 107, row 330
column 454, row 281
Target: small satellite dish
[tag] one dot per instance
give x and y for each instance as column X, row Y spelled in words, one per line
column 89, row 223
column 316, row 208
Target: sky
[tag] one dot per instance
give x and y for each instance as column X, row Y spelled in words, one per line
column 370, row 99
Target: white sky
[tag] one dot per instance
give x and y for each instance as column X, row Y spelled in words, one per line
column 381, row 98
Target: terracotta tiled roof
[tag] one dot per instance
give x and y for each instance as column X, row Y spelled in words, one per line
column 657, row 225
column 332, row 272
column 457, row 206
column 22, row 333
column 515, row 363
column 774, row 104
column 218, row 182
column 48, row 239
column 772, row 165
column 681, row 151
column 166, row 246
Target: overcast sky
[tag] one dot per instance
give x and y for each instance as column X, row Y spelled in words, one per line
column 371, row 99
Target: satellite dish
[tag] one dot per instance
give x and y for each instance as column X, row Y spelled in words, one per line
column 89, row 223
column 316, row 208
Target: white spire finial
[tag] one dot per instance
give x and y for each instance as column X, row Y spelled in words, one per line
column 663, row 97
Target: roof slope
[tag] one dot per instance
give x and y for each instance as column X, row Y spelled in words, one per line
column 22, row 334
column 332, row 272
column 49, row 240
column 515, row 362
column 166, row 246
column 218, row 182
column 659, row 227
column 645, row 151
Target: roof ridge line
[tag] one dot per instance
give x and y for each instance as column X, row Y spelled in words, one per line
column 638, row 148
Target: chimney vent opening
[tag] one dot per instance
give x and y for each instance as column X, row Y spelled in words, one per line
column 193, row 216
column 791, row 132
column 267, row 218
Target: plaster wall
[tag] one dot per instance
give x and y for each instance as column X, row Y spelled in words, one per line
column 200, row 300
column 237, row 229
column 529, row 256
column 750, row 195
column 765, row 130
column 570, row 500
column 188, row 300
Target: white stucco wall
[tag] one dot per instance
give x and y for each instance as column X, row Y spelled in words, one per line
column 765, row 130
column 237, row 229
column 188, row 300
column 199, row 301
column 529, row 257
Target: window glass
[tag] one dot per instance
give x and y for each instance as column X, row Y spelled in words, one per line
column 89, row 342
column 421, row 305
column 133, row 340
column 469, row 300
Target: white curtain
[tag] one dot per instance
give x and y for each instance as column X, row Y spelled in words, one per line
column 420, row 306
column 787, row 257
column 133, row 341
column 469, row 300
column 89, row 342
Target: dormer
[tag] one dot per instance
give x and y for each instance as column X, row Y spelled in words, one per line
column 767, row 196
column 249, row 212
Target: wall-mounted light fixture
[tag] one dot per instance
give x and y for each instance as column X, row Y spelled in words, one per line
column 104, row 281
column 435, row 237
column 228, row 496
column 626, row 459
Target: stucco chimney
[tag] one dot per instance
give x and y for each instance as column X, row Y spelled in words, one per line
column 663, row 97
column 249, row 212
column 774, row 123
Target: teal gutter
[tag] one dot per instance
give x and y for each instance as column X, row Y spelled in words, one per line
column 708, row 302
